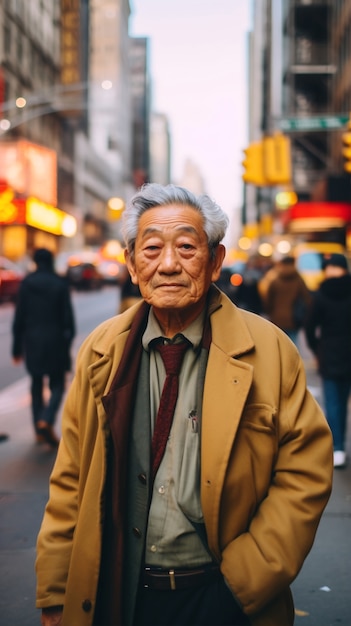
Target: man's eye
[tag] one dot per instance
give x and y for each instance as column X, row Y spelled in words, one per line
column 151, row 248
column 187, row 246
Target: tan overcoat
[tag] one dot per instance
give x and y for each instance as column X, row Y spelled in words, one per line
column 266, row 462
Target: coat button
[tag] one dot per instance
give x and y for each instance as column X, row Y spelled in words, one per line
column 142, row 478
column 137, row 532
column 86, row 606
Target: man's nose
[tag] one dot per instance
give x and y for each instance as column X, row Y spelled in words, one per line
column 169, row 261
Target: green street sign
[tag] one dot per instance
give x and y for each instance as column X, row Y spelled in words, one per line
column 327, row 122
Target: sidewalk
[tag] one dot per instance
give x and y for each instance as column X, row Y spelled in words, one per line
column 322, row 589
column 24, row 471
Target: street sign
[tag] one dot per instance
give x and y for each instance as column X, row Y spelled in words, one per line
column 327, row 122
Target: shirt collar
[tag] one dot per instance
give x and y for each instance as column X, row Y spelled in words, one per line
column 193, row 332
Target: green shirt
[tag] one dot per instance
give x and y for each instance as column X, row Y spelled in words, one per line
column 172, row 540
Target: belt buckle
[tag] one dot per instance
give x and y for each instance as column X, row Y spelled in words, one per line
column 172, row 579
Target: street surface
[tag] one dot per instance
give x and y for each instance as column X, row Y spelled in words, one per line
column 322, row 589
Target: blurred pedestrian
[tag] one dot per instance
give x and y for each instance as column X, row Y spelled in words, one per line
column 328, row 333
column 287, row 298
column 247, row 295
column 192, row 508
column 43, row 330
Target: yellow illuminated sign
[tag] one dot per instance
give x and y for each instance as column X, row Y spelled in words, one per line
column 71, row 71
column 52, row 220
column 30, row 169
column 115, row 208
column 70, row 42
column 8, row 210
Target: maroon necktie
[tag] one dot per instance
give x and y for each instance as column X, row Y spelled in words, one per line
column 172, row 356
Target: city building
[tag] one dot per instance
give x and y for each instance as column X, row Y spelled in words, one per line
column 300, row 86
column 65, row 122
column 160, row 149
column 141, row 107
column 31, row 130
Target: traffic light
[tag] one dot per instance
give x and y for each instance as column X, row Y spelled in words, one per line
column 253, row 164
column 346, row 151
column 268, row 162
column 277, row 159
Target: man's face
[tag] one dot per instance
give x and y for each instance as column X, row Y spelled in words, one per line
column 172, row 264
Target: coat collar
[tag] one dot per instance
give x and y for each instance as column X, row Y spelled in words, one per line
column 229, row 330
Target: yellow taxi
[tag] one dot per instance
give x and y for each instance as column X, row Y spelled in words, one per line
column 309, row 258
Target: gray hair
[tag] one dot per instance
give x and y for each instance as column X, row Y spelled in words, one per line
column 153, row 195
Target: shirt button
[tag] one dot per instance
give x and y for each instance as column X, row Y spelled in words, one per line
column 153, row 548
column 137, row 532
column 161, row 490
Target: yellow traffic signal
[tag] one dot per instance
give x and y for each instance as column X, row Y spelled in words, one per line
column 268, row 162
column 253, row 164
column 346, row 151
column 277, row 159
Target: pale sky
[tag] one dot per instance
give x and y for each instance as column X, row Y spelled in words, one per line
column 198, row 56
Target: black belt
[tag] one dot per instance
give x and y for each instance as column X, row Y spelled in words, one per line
column 166, row 579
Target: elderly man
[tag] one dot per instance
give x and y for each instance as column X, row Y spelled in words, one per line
column 207, row 519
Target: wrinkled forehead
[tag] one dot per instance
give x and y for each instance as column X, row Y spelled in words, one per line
column 175, row 217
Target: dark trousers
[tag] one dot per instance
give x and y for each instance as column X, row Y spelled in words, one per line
column 41, row 410
column 209, row 605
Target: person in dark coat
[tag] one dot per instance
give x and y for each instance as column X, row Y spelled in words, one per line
column 247, row 295
column 43, row 330
column 328, row 333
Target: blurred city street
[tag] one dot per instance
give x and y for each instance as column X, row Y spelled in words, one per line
column 247, row 102
column 321, row 591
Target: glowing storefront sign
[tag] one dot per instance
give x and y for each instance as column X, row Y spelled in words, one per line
column 46, row 217
column 34, row 212
column 30, row 169
column 12, row 210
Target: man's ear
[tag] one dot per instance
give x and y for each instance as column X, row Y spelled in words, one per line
column 131, row 267
column 218, row 261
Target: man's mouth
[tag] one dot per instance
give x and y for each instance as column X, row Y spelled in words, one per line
column 168, row 285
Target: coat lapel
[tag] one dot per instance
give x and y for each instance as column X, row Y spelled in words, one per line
column 119, row 404
column 227, row 385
